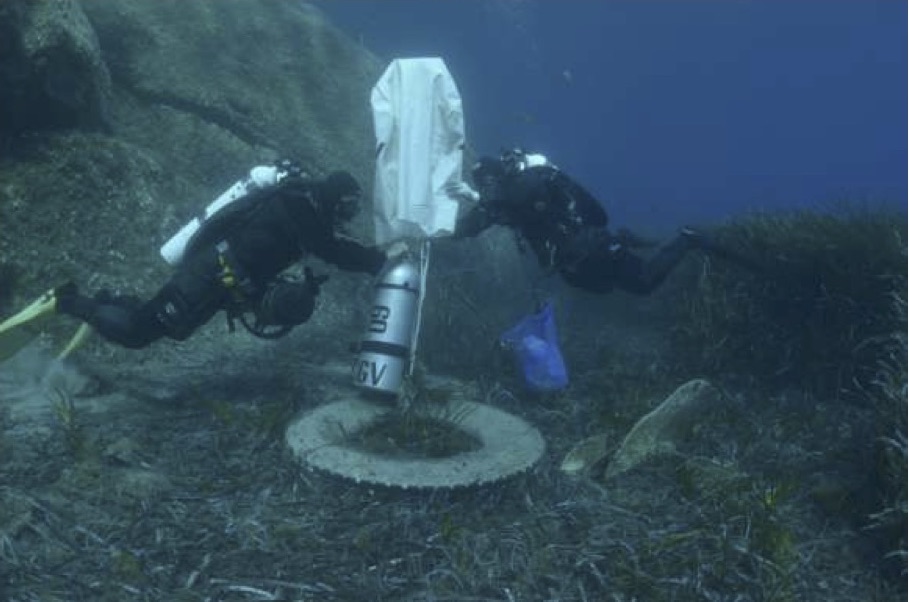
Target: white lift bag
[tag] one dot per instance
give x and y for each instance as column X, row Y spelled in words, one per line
column 419, row 126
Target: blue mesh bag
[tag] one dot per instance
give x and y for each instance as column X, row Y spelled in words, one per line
column 535, row 344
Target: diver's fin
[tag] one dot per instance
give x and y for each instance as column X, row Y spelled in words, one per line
column 19, row 330
column 78, row 339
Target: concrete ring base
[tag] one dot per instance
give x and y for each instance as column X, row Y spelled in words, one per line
column 509, row 445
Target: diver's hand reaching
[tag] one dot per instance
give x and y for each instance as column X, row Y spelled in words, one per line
column 462, row 192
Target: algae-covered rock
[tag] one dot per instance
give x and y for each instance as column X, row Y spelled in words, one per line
column 659, row 432
column 204, row 83
column 586, row 454
column 51, row 72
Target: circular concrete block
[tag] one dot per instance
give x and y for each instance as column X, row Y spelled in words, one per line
column 508, row 445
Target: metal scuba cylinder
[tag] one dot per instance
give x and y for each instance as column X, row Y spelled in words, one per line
column 384, row 352
column 261, row 176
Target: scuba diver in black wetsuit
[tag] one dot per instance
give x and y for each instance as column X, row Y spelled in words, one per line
column 234, row 262
column 567, row 227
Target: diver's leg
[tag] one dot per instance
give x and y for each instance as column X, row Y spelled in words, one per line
column 190, row 299
column 629, row 273
column 119, row 319
column 184, row 304
column 644, row 276
column 176, row 311
column 621, row 268
column 599, row 263
column 654, row 270
column 587, row 261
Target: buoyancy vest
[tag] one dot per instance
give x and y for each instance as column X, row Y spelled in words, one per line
column 259, row 177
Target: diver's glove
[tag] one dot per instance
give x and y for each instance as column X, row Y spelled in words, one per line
column 462, row 192
column 314, row 283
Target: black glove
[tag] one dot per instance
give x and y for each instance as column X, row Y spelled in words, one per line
column 314, row 283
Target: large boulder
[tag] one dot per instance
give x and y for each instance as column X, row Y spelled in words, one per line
column 661, row 431
column 657, row 434
column 51, row 72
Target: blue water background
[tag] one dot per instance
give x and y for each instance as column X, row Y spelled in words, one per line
column 674, row 112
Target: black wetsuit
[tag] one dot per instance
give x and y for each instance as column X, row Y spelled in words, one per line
column 566, row 228
column 265, row 233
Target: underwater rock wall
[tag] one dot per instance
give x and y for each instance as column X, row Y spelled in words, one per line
column 52, row 75
column 214, row 85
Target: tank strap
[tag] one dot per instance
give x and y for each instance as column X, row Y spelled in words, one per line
column 424, row 271
column 231, row 274
column 234, row 278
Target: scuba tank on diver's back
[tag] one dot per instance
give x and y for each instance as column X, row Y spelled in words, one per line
column 261, row 176
column 384, row 353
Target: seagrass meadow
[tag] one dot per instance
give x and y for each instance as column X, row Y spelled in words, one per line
column 115, row 487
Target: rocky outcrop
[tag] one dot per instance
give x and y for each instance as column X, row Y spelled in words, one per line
column 210, row 85
column 51, row 72
column 660, row 432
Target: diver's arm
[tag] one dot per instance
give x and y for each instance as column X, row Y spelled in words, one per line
column 351, row 256
column 472, row 223
column 475, row 219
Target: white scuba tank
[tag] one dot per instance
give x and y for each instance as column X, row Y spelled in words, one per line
column 261, row 176
column 534, row 160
